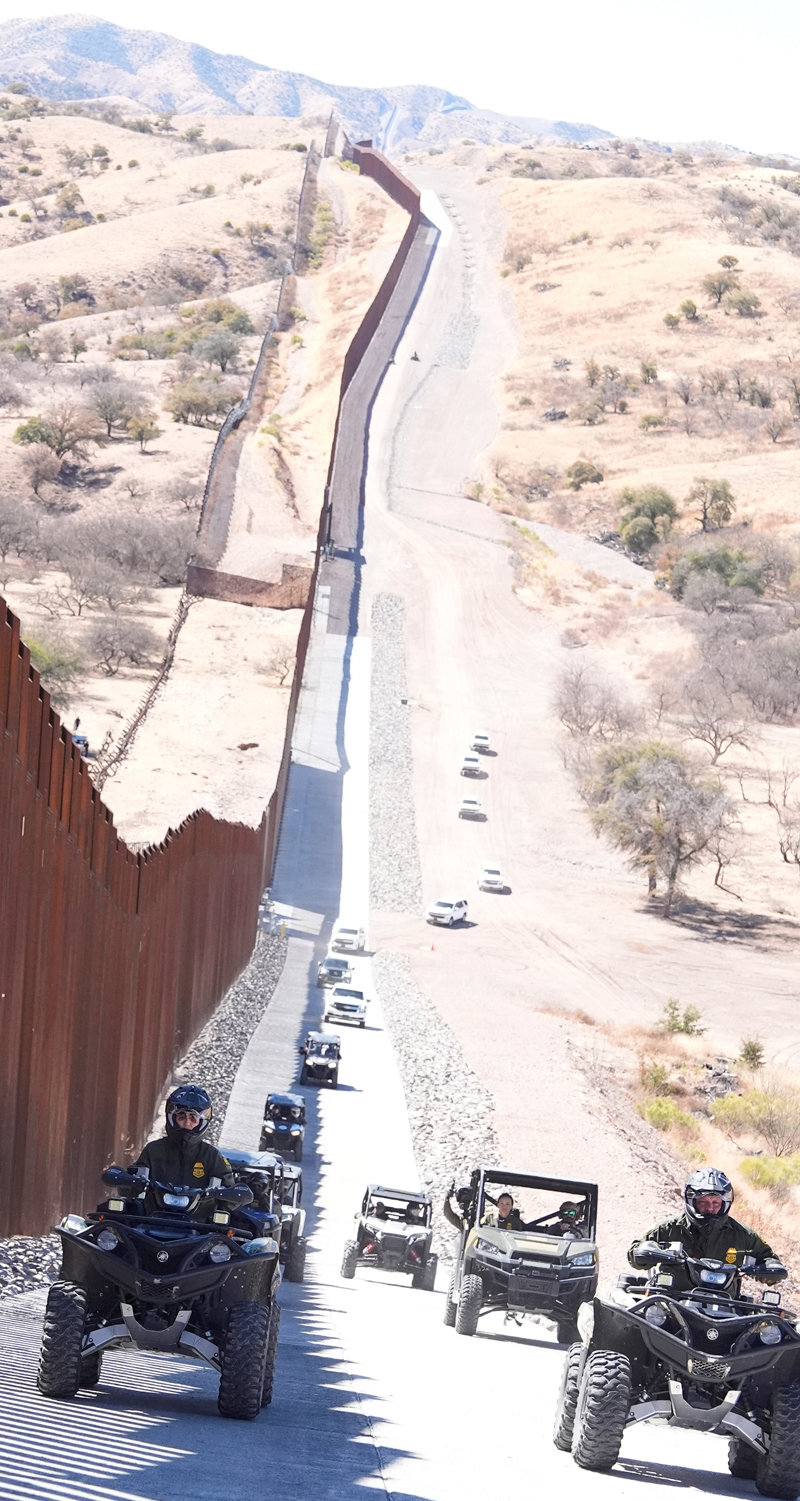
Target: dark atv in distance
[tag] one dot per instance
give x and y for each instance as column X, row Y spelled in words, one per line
column 394, row 1233
column 547, row 1269
column 321, row 1054
column 166, row 1273
column 284, row 1125
column 707, row 1357
column 266, row 1175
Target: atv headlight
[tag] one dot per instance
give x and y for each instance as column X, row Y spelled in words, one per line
column 586, row 1258
column 219, row 1252
column 176, row 1201
column 769, row 1334
column 331, row 1063
column 484, row 1245
column 655, row 1314
column 295, row 1131
column 108, row 1240
column 716, row 1279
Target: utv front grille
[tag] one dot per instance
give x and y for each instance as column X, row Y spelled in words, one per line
column 711, row 1370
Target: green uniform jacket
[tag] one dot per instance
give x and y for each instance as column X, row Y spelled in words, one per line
column 713, row 1238
column 195, row 1162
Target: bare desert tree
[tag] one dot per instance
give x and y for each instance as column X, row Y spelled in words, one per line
column 711, row 717
column 41, row 466
column 119, row 640
column 588, row 703
column 652, row 804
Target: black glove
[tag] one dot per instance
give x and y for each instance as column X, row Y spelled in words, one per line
column 650, row 1253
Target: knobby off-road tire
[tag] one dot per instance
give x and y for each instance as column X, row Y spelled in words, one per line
column 243, row 1360
column 91, row 1366
column 272, row 1352
column 470, row 1299
column 60, row 1358
column 349, row 1259
column 450, row 1305
column 296, row 1263
column 742, row 1460
column 298, row 1151
column 604, row 1400
column 428, row 1279
column 567, row 1404
column 778, row 1472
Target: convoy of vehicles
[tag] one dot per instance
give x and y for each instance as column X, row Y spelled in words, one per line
column 470, row 807
column 346, row 1004
column 393, row 1233
column 284, row 1125
column 321, row 1053
column 334, row 970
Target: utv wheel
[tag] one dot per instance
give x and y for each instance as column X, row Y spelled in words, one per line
column 349, row 1259
column 428, row 1281
column 296, row 1263
column 262, row 1142
column 566, row 1331
column 335, row 1079
column 60, row 1358
column 567, row 1404
column 778, row 1471
column 243, row 1361
column 450, row 1305
column 91, row 1366
column 298, row 1151
column 604, row 1400
column 470, row 1299
column 272, row 1351
column 742, row 1460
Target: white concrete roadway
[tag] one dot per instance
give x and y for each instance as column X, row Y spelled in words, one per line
column 372, row 1392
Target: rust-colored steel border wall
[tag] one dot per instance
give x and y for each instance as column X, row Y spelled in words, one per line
column 110, row 962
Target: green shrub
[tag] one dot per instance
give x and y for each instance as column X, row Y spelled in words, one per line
column 751, row 1053
column 650, row 420
column 666, row 1116
column 674, row 1020
column 771, row 1113
column 772, row 1172
column 654, row 1077
column 582, row 472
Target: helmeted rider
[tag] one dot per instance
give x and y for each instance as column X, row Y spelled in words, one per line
column 707, row 1229
column 181, row 1156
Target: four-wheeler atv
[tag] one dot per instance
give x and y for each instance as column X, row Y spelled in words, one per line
column 321, row 1053
column 393, row 1232
column 178, row 1279
column 707, row 1358
column 284, row 1125
column 548, row 1268
column 293, row 1242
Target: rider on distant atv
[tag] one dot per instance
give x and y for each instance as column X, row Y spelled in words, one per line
column 707, row 1230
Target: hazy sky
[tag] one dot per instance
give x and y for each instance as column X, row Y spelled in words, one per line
column 676, row 70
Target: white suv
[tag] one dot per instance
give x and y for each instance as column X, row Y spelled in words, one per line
column 445, row 913
column 480, row 742
column 345, row 1004
column 490, row 878
column 471, row 766
column 350, row 939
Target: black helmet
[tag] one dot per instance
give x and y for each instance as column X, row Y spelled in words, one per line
column 570, row 1210
column 187, row 1097
column 708, row 1180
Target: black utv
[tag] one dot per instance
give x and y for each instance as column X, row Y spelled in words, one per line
column 284, row 1125
column 394, row 1233
column 703, row 1356
column 545, row 1265
column 293, row 1223
column 163, row 1267
column 267, row 1176
column 321, row 1054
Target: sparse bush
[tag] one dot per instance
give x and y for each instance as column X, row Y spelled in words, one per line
column 119, row 640
column 646, row 516
column 751, row 1053
column 589, row 704
column 651, row 420
column 772, row 1173
column 712, row 501
column 772, row 1113
column 41, row 466
column 744, row 304
column 654, row 1077
column 581, row 473
column 218, row 348
column 665, row 1116
column 689, row 310
column 144, row 429
column 61, row 666
column 672, row 320
column 673, row 1019
column 649, row 371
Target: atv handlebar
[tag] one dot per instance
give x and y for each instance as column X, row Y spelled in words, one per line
column 649, row 1253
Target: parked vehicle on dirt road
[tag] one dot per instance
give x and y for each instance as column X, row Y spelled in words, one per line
column 321, row 1054
column 471, row 766
column 283, row 1127
column 707, row 1358
column 178, row 1280
column 349, row 939
column 470, row 807
column 394, row 1233
column 334, row 970
column 480, row 742
column 546, row 1267
column 447, row 912
column 346, row 1004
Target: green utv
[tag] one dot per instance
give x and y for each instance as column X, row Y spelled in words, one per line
column 542, row 1263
